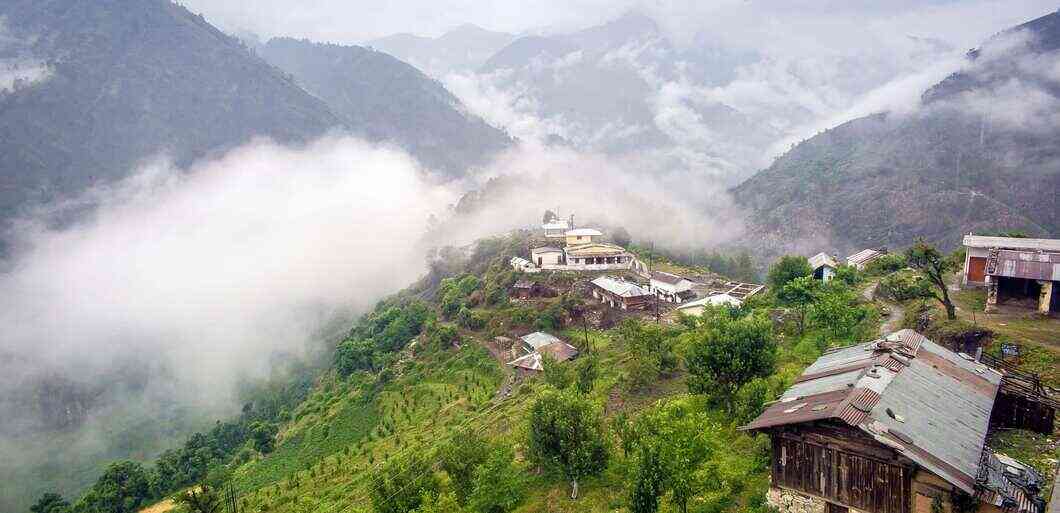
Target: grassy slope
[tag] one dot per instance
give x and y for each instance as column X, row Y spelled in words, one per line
column 335, row 440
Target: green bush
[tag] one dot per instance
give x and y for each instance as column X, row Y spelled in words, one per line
column 903, row 286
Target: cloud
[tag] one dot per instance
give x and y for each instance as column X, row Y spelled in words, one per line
column 221, row 266
column 18, row 68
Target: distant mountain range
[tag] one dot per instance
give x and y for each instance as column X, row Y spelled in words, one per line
column 110, row 83
column 389, row 100
column 463, row 49
column 981, row 154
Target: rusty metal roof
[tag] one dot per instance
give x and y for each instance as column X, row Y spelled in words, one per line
column 671, row 279
column 1032, row 265
column 923, row 400
column 976, row 241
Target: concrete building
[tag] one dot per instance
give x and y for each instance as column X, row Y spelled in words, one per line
column 824, row 266
column 535, row 346
column 546, row 255
column 1014, row 269
column 897, row 425
column 523, row 265
column 582, row 236
column 556, row 229
column 597, row 256
column 671, row 287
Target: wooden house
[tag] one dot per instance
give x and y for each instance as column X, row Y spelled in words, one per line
column 538, row 345
column 621, row 294
column 528, row 289
column 897, row 425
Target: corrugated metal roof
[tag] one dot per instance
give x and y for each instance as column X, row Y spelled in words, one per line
column 864, row 256
column 716, row 299
column 977, row 241
column 1031, row 265
column 545, row 249
column 671, row 279
column 538, row 339
column 822, row 259
column 620, row 288
column 909, row 393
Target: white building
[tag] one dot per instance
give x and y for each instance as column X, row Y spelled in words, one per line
column 698, row 306
column 523, row 265
column 582, row 236
column 556, row 229
column 824, row 266
column 670, row 287
column 547, row 255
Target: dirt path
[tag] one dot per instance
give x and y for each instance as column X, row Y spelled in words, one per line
column 161, row 507
column 893, row 321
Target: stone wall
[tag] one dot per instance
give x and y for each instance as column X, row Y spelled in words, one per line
column 790, row 502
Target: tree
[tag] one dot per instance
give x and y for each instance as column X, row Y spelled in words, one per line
column 799, row 294
column 836, row 309
column 354, row 355
column 566, row 433
column 648, row 480
column 673, row 456
column 399, row 487
column 442, row 503
column 549, row 217
column 744, row 268
column 651, row 352
column 261, row 434
column 934, row 267
column 556, row 373
column 621, row 237
column 786, row 269
column 201, row 499
column 50, row 503
column 627, row 434
column 123, row 488
column 498, row 485
column 727, row 352
column 587, row 370
column 459, row 458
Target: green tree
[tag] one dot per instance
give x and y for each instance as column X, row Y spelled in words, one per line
column 674, row 454
column 621, row 237
column 123, row 488
column 588, row 370
column 934, row 267
column 50, row 503
column 786, row 269
column 649, row 476
column 499, row 486
column 799, row 294
column 744, row 268
column 727, row 352
column 399, row 487
column 836, row 310
column 459, row 458
column 623, row 428
column 201, row 499
column 441, row 503
column 261, row 435
column 557, row 374
column 354, row 355
column 651, row 352
column 847, row 275
column 886, row 264
column 566, row 433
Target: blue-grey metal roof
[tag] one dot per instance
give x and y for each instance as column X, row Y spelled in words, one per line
column 933, row 404
column 538, row 339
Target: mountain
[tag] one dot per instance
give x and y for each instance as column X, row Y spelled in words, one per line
column 389, row 100
column 462, row 49
column 88, row 90
column 981, row 154
column 128, row 79
column 625, row 88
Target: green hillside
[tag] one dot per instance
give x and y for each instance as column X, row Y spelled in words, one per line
column 419, row 412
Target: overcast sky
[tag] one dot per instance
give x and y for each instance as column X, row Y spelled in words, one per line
column 960, row 22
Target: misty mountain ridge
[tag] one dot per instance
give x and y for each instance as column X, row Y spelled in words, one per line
column 124, row 81
column 980, row 155
column 390, row 100
column 464, row 48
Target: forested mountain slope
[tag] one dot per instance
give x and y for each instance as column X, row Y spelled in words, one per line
column 981, row 153
column 126, row 80
column 389, row 100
